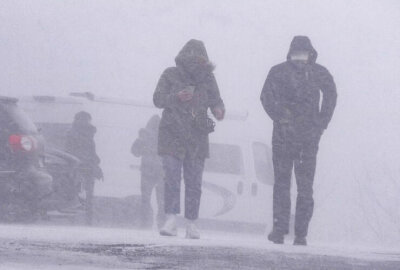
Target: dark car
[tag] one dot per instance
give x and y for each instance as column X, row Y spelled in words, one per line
column 24, row 183
column 67, row 182
column 63, row 167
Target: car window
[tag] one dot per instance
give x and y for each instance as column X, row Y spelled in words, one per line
column 15, row 120
column 263, row 163
column 225, row 158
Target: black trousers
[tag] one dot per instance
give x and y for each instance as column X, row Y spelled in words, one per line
column 192, row 175
column 291, row 152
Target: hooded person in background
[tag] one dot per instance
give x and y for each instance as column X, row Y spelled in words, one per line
column 80, row 143
column 291, row 98
column 152, row 174
column 186, row 92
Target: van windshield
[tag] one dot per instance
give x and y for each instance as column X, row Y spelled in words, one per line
column 225, row 159
column 54, row 133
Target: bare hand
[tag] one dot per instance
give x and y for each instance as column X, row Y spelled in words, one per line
column 219, row 113
column 185, row 95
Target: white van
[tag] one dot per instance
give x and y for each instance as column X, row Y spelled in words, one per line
column 238, row 177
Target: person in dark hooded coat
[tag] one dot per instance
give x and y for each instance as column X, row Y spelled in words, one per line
column 152, row 174
column 186, row 92
column 291, row 98
column 80, row 143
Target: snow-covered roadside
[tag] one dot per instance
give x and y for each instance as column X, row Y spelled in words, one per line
column 105, row 236
column 21, row 266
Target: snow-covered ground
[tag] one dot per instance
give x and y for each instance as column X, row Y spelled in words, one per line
column 44, row 247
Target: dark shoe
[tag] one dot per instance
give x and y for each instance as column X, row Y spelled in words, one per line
column 276, row 237
column 300, row 241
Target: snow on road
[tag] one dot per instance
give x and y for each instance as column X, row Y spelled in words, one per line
column 44, row 247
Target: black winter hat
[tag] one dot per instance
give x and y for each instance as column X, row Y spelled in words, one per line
column 82, row 115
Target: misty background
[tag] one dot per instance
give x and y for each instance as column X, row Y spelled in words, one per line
column 120, row 48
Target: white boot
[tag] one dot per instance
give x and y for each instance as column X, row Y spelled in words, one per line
column 191, row 230
column 169, row 228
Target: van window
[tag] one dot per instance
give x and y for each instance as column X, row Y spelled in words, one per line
column 225, row 158
column 54, row 133
column 263, row 163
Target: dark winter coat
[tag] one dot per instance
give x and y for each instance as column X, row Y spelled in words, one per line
column 80, row 143
column 291, row 93
column 177, row 134
column 145, row 146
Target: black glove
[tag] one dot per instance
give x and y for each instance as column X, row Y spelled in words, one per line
column 98, row 173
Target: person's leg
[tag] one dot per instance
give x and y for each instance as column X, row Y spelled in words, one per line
column 172, row 181
column 283, row 166
column 305, row 171
column 193, row 176
column 160, row 202
column 89, row 190
column 146, row 186
column 173, row 170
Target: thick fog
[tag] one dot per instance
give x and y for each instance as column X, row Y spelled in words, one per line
column 120, row 48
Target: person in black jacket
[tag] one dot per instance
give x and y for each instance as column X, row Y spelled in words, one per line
column 152, row 174
column 186, row 93
column 80, row 143
column 291, row 98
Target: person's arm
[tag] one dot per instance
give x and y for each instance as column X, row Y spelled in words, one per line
column 329, row 97
column 96, row 169
column 162, row 97
column 270, row 98
column 215, row 101
column 96, row 158
column 137, row 148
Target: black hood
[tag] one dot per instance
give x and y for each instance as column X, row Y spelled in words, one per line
column 193, row 48
column 302, row 43
column 193, row 59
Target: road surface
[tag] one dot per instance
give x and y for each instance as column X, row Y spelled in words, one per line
column 30, row 247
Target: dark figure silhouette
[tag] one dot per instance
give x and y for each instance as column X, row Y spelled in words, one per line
column 80, row 143
column 152, row 174
column 291, row 97
column 185, row 93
